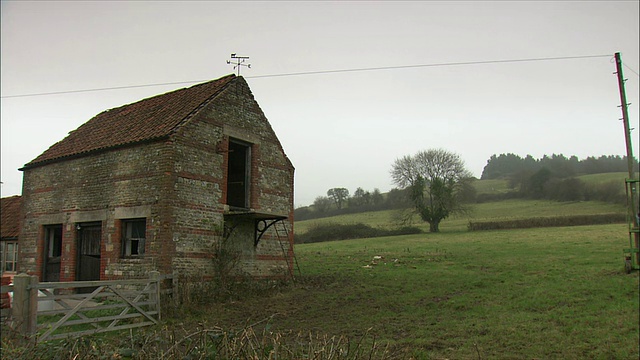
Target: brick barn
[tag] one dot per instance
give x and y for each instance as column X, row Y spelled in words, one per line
column 157, row 185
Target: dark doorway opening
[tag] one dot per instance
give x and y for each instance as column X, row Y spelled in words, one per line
column 239, row 174
column 53, row 252
column 89, row 236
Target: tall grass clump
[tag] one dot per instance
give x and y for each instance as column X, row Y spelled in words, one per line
column 203, row 343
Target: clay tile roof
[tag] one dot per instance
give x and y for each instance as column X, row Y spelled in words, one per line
column 10, row 214
column 149, row 119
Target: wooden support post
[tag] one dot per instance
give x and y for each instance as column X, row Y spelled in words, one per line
column 25, row 303
column 154, row 276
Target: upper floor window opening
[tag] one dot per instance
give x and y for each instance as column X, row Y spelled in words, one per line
column 239, row 174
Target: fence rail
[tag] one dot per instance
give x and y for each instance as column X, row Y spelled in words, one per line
column 55, row 310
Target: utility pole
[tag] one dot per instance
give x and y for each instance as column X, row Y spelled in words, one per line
column 631, row 182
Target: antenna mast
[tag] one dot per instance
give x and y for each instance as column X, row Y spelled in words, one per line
column 238, row 62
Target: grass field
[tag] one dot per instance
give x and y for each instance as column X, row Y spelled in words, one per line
column 604, row 178
column 550, row 293
column 557, row 293
column 497, row 186
column 544, row 293
column 500, row 210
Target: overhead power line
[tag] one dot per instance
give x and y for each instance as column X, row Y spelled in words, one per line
column 101, row 89
column 431, row 65
column 323, row 72
column 633, row 71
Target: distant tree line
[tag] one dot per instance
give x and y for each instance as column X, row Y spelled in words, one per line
column 510, row 166
column 554, row 177
column 550, row 177
column 339, row 201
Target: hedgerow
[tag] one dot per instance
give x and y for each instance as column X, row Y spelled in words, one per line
column 334, row 231
column 574, row 220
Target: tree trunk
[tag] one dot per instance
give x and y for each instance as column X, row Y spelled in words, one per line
column 434, row 226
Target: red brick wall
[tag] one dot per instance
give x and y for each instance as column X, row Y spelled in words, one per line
column 234, row 114
column 178, row 185
column 69, row 251
column 102, row 187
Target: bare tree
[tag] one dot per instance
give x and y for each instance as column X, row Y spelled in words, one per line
column 436, row 180
column 339, row 196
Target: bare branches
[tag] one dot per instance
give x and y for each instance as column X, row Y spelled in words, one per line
column 438, row 181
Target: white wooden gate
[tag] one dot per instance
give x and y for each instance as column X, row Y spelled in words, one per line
column 55, row 310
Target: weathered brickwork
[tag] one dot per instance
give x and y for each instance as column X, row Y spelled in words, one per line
column 178, row 184
column 105, row 188
column 203, row 152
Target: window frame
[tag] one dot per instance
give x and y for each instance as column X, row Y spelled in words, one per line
column 4, row 254
column 127, row 239
column 233, row 173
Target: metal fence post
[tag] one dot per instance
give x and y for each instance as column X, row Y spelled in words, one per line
column 25, row 303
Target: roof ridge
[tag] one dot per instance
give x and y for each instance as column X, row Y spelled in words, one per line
column 204, row 103
column 145, row 120
column 10, row 196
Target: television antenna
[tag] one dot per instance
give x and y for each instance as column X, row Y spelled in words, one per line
column 238, row 62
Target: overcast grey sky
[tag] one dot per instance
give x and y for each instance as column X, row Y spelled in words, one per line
column 339, row 129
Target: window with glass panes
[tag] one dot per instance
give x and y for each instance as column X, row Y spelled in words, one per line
column 133, row 237
column 9, row 256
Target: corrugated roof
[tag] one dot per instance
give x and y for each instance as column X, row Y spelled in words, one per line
column 145, row 120
column 10, row 214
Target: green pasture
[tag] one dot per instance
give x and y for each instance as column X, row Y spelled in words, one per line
column 500, row 210
column 543, row 293
column 546, row 293
column 494, row 186
column 605, row 178
column 500, row 186
column 554, row 293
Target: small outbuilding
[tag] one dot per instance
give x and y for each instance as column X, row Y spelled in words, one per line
column 9, row 234
column 162, row 184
